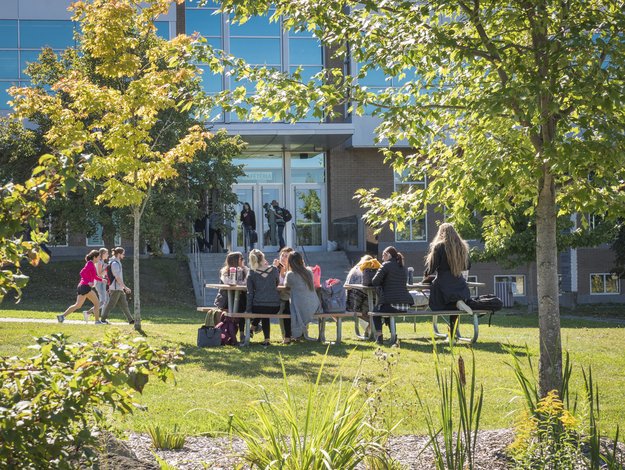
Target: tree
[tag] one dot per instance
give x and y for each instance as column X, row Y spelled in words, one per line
column 109, row 123
column 507, row 104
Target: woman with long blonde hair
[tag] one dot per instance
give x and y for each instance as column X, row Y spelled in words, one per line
column 448, row 256
column 262, row 289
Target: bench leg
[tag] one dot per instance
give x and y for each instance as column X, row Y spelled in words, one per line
column 374, row 333
column 339, row 330
column 437, row 334
column 322, row 330
column 246, row 340
column 393, row 328
column 357, row 325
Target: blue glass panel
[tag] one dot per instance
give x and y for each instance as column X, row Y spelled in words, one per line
column 307, row 72
column 8, row 34
column 375, row 77
column 201, row 3
column 27, row 57
column 204, row 22
column 256, row 51
column 211, row 83
column 300, row 34
column 35, row 34
column 4, row 94
column 305, row 52
column 215, row 42
column 256, row 26
column 162, row 29
column 8, row 64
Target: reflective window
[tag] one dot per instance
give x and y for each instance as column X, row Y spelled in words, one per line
column 414, row 229
column 8, row 34
column 8, row 64
column 211, row 83
column 35, row 34
column 604, row 283
column 27, row 57
column 307, row 72
column 257, row 51
column 4, row 94
column 162, row 29
column 516, row 281
column 206, row 22
column 256, row 26
column 305, row 52
column 307, row 167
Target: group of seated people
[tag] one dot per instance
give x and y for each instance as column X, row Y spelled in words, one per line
column 448, row 256
column 262, row 279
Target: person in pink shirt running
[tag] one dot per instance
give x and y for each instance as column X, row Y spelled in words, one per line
column 88, row 276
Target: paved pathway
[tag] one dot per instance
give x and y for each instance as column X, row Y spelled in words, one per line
column 51, row 320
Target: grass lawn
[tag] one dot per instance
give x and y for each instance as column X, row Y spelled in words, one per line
column 223, row 380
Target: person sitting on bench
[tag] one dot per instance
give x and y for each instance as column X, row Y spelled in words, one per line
column 262, row 290
column 448, row 256
column 391, row 278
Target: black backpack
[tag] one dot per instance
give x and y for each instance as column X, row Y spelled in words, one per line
column 286, row 215
column 485, row 302
column 110, row 277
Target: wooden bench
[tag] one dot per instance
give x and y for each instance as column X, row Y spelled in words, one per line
column 322, row 318
column 476, row 314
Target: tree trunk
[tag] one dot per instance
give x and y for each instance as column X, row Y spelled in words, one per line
column 136, row 213
column 550, row 364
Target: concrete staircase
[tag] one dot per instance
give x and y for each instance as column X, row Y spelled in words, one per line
column 333, row 264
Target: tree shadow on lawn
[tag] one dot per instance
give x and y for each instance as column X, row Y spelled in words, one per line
column 255, row 360
column 424, row 345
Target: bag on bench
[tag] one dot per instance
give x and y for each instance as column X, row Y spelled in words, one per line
column 333, row 296
column 485, row 302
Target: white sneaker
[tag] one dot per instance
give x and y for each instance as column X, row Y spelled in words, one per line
column 85, row 314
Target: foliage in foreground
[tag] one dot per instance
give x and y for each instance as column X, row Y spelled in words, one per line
column 552, row 434
column 52, row 405
column 166, row 439
column 459, row 416
column 333, row 430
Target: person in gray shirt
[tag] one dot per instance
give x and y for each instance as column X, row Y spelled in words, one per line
column 117, row 289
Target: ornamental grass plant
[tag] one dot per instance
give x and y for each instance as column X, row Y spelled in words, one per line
column 332, row 431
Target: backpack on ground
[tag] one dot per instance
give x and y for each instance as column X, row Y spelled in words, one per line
column 333, row 296
column 485, row 302
column 286, row 215
column 228, row 330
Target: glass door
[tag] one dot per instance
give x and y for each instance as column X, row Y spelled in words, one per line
column 308, row 215
column 257, row 195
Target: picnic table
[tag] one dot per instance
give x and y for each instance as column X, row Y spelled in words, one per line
column 371, row 292
column 234, row 293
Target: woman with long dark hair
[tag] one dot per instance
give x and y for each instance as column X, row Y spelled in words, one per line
column 248, row 221
column 84, row 290
column 447, row 257
column 391, row 278
column 304, row 300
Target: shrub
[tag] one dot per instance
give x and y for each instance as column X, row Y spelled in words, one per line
column 52, row 405
column 332, row 431
column 166, row 439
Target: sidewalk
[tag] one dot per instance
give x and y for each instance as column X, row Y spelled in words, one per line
column 54, row 320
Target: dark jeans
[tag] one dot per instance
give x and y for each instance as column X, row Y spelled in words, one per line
column 287, row 321
column 266, row 321
column 247, row 232
column 377, row 321
column 281, row 235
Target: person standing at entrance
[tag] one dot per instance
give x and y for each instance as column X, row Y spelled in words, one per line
column 280, row 222
column 117, row 289
column 270, row 214
column 248, row 221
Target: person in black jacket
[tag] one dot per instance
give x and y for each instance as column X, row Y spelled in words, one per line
column 248, row 220
column 447, row 258
column 391, row 278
